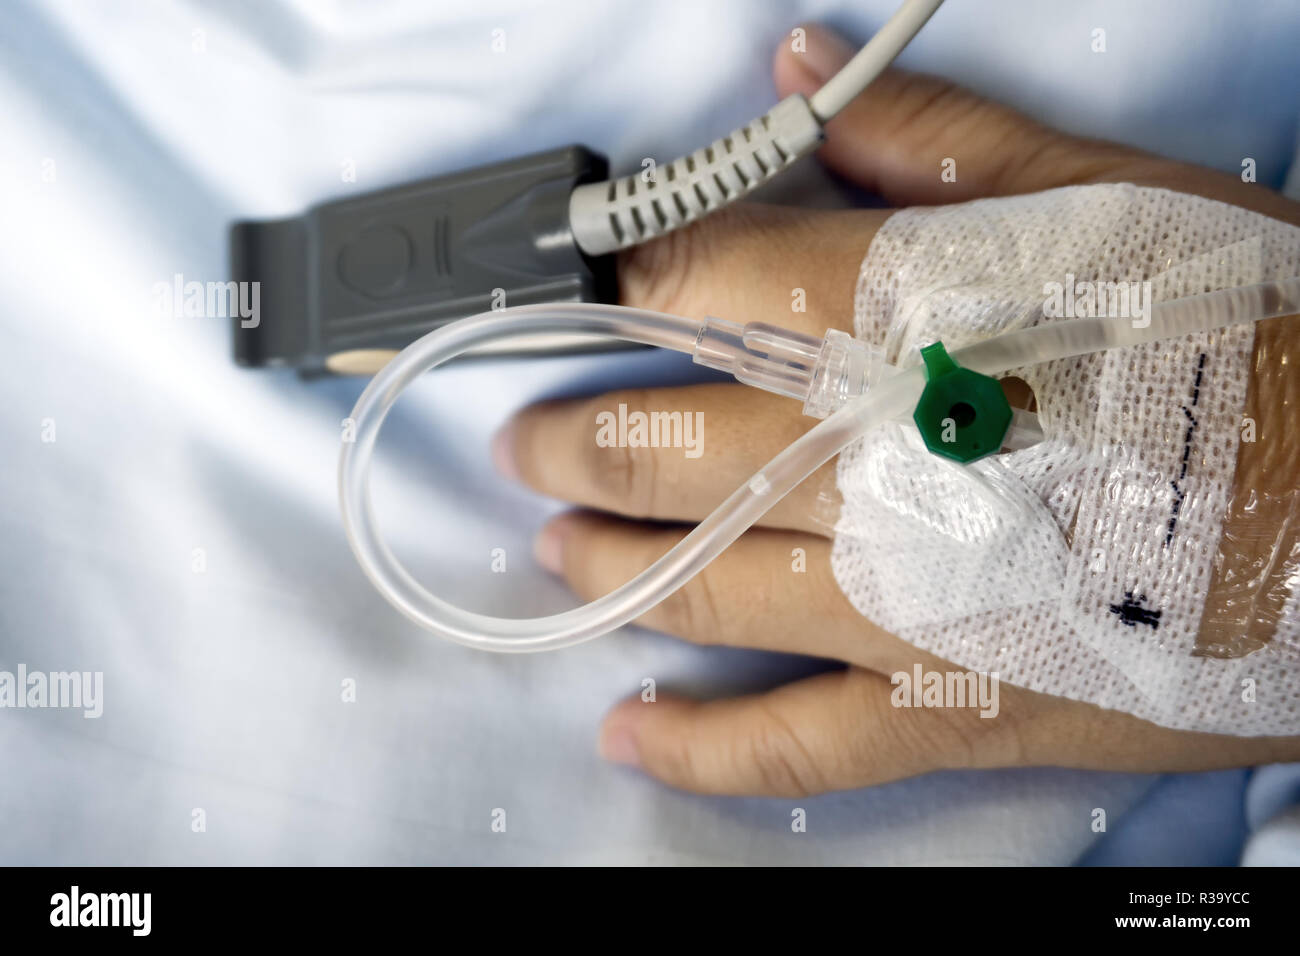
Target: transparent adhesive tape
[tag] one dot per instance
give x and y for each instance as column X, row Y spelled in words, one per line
column 1144, row 555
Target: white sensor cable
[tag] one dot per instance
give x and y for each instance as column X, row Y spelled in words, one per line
column 831, row 377
column 622, row 213
column 869, row 62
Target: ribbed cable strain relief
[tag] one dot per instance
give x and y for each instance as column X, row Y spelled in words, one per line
column 622, row 213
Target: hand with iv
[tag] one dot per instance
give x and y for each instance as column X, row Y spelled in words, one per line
column 782, row 586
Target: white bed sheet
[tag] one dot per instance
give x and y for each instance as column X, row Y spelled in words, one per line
column 162, row 122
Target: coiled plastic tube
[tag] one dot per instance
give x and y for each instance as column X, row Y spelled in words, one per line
column 890, row 398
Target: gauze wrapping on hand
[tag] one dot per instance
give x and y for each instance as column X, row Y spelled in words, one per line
column 1080, row 566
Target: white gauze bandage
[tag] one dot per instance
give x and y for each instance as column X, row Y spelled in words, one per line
column 1079, row 566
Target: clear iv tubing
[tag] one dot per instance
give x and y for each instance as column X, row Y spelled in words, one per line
column 888, row 399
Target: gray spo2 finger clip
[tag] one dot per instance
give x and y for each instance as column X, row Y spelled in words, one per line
column 378, row 271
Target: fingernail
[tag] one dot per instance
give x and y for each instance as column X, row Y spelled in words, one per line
column 548, row 546
column 503, row 452
column 826, row 53
column 618, row 745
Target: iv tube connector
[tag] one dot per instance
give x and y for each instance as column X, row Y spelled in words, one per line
column 825, row 375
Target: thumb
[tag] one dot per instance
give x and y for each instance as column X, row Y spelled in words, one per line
column 901, row 134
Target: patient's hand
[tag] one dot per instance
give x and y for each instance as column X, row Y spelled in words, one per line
column 838, row 729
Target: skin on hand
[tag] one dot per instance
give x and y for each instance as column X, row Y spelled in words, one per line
column 839, row 729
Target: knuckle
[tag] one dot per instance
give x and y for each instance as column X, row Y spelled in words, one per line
column 1007, row 740
column 674, row 760
column 923, row 740
column 656, row 275
column 623, row 476
column 662, row 275
column 900, row 745
column 782, row 760
column 960, row 737
column 693, row 612
column 1043, row 153
column 923, row 103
